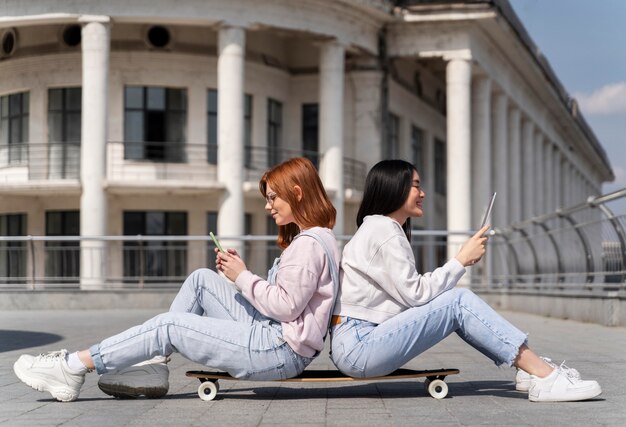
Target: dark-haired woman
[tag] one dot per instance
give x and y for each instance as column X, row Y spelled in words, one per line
column 257, row 329
column 388, row 313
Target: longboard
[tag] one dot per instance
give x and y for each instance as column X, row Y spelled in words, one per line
column 434, row 383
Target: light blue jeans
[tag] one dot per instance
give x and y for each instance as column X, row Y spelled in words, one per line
column 210, row 323
column 362, row 349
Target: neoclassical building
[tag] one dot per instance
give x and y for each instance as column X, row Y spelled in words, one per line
column 158, row 118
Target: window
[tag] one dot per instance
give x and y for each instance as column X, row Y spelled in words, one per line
column 310, row 132
column 392, row 147
column 64, row 129
column 247, row 130
column 212, row 127
column 155, row 123
column 441, row 250
column 417, row 83
column 274, row 131
column 63, row 258
column 155, row 261
column 13, row 255
column 440, row 167
column 14, row 128
column 417, row 147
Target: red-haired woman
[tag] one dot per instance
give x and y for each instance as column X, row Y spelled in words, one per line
column 258, row 330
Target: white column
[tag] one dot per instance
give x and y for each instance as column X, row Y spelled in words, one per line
column 501, row 160
column 93, row 201
column 459, row 202
column 481, row 147
column 538, row 186
column 366, row 104
column 428, row 177
column 565, row 183
column 548, row 177
column 230, row 153
column 558, row 192
column 331, row 124
column 515, row 166
column 528, row 170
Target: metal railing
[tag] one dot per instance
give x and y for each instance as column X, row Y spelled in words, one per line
column 45, row 262
column 582, row 247
column 150, row 162
column 50, row 161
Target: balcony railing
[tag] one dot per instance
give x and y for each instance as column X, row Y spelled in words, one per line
column 35, row 162
column 141, row 162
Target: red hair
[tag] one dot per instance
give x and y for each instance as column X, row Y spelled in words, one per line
column 314, row 209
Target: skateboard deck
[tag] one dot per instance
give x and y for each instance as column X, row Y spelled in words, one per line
column 434, row 383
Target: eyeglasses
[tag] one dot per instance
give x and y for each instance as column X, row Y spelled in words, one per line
column 270, row 197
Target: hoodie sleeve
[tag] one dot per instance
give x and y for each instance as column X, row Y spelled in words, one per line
column 393, row 268
column 296, row 282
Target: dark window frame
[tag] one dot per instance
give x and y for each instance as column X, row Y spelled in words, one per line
column 155, row 261
column 274, row 131
column 13, row 255
column 14, row 128
column 310, row 132
column 169, row 146
column 63, row 257
column 64, row 151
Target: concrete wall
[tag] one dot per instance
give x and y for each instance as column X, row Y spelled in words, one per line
column 608, row 309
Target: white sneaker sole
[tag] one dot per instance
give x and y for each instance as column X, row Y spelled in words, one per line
column 60, row 393
column 522, row 386
column 588, row 394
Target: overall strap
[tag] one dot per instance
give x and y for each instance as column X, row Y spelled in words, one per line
column 334, row 271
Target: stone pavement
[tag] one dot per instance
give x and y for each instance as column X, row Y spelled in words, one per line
column 482, row 394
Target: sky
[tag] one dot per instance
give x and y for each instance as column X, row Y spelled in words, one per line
column 585, row 43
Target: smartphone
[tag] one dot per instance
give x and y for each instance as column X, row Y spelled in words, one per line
column 487, row 216
column 217, row 242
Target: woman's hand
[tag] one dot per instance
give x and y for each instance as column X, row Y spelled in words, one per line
column 474, row 248
column 229, row 263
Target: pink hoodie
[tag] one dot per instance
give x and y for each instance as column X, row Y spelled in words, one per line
column 302, row 296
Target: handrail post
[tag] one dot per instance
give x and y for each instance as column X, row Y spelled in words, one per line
column 583, row 240
column 31, row 245
column 621, row 235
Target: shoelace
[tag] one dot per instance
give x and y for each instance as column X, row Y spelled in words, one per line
column 569, row 372
column 51, row 355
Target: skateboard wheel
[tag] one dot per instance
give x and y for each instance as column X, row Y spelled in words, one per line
column 208, row 390
column 436, row 388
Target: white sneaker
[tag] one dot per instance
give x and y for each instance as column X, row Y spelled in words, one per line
column 559, row 386
column 149, row 378
column 49, row 372
column 522, row 378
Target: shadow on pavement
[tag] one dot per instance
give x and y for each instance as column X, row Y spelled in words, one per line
column 14, row 340
column 387, row 389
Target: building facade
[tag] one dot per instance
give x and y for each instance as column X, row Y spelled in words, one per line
column 159, row 117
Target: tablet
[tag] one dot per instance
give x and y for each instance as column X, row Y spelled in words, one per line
column 487, row 216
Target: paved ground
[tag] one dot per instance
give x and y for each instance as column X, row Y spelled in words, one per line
column 481, row 395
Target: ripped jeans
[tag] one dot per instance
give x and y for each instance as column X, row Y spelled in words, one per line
column 209, row 323
column 362, row 349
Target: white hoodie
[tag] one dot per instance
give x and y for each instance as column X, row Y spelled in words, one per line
column 379, row 278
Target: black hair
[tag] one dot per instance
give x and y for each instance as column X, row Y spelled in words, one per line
column 387, row 187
